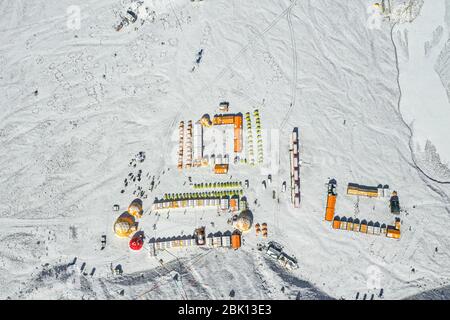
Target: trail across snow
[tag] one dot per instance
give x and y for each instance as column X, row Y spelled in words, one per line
column 79, row 104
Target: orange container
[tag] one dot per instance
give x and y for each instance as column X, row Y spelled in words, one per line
column 221, row 168
column 336, row 224
column 391, row 232
column 235, row 120
column 363, row 228
column 236, row 241
column 331, row 204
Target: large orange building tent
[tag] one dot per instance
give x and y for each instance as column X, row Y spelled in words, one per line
column 236, row 120
column 331, row 204
column 238, row 133
column 331, row 200
column 362, row 190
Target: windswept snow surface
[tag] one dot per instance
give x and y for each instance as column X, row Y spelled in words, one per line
column 77, row 104
column 424, row 79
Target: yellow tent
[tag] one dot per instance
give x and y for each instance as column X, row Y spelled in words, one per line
column 124, row 225
column 135, row 208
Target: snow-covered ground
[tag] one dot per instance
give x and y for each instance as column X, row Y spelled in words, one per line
column 78, row 103
column 423, row 64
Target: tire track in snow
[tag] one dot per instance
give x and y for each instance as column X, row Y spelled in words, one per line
column 294, row 63
column 292, row 105
column 245, row 48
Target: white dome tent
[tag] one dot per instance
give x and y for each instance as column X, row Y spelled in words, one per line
column 244, row 221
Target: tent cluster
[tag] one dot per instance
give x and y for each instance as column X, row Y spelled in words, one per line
column 363, row 226
column 191, row 141
column 225, row 200
column 225, row 240
column 203, row 195
column 126, row 224
column 262, row 230
column 258, row 136
column 236, row 121
column 180, row 145
column 191, row 144
column 249, row 137
column 295, row 168
column 224, row 203
column 218, row 185
column 370, row 227
column 367, row 191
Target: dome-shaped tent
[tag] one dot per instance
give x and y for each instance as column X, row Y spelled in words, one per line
column 135, row 208
column 124, row 225
column 206, row 121
column 136, row 243
column 244, row 221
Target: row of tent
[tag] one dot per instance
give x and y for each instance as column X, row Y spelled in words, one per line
column 250, row 150
column 223, row 204
column 226, row 240
column 258, row 136
column 295, row 168
column 180, row 145
column 370, row 227
column 369, row 191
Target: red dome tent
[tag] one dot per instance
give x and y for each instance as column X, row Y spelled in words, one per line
column 136, row 243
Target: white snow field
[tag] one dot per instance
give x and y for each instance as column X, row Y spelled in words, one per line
column 78, row 102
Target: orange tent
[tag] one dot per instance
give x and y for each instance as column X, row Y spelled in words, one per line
column 221, row 168
column 257, row 228
column 363, row 228
column 236, row 120
column 336, row 223
column 223, row 119
column 391, row 232
column 331, row 204
column 234, row 204
column 237, row 133
column 264, row 233
column 235, row 240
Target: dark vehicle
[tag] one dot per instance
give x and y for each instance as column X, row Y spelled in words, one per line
column 394, row 203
